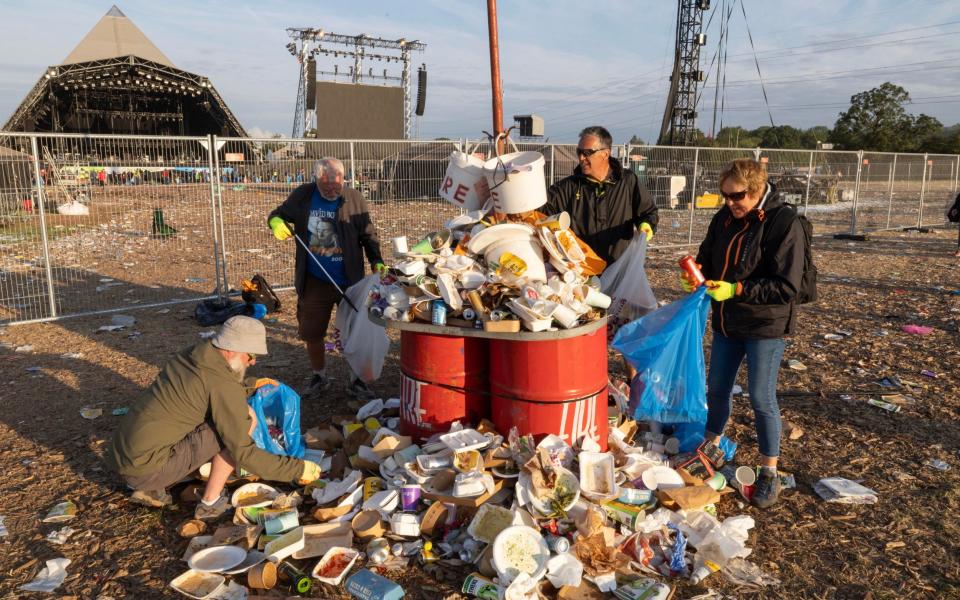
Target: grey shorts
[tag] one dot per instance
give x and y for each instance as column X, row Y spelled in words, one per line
column 186, row 456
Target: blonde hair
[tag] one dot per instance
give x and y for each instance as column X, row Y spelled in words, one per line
column 746, row 171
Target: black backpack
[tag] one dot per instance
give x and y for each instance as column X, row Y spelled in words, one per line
column 258, row 291
column 953, row 215
column 808, row 284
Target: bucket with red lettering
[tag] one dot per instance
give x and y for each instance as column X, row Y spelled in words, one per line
column 464, row 184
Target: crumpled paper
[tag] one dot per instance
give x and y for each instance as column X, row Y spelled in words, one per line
column 523, row 587
column 60, row 536
column 597, row 557
column 564, row 569
column 844, row 491
column 50, row 577
column 3, row 528
column 338, row 488
column 231, row 591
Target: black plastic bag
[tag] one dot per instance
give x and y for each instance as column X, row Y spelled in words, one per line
column 215, row 312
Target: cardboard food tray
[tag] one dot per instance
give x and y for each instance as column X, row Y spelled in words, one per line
column 447, row 496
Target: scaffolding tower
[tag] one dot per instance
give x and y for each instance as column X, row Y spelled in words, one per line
column 680, row 115
column 308, row 43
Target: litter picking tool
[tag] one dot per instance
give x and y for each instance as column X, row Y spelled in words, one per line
column 339, row 289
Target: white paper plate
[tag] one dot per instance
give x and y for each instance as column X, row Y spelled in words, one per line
column 520, row 549
column 254, row 558
column 217, row 559
column 498, row 233
column 662, row 478
column 256, row 487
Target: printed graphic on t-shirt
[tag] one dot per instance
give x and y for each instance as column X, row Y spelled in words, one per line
column 323, row 235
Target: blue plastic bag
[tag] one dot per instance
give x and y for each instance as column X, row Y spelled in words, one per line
column 277, row 407
column 666, row 348
column 690, row 436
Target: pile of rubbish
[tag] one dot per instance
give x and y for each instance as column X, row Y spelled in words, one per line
column 505, row 517
column 499, row 265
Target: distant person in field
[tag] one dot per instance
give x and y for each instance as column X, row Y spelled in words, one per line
column 196, row 412
column 334, row 223
column 753, row 259
column 953, row 215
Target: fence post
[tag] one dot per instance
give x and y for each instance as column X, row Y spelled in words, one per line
column 353, row 168
column 693, row 195
column 806, row 193
column 956, row 177
column 923, row 189
column 552, row 156
column 856, row 193
column 41, row 201
column 893, row 170
column 214, row 212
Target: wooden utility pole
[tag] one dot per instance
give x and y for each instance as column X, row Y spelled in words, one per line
column 495, row 87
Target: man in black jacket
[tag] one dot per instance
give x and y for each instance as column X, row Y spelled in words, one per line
column 753, row 259
column 606, row 203
column 334, row 222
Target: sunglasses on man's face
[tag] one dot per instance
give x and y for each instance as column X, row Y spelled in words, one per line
column 251, row 357
column 734, row 196
column 588, row 152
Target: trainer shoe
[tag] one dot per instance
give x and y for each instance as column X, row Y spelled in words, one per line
column 151, row 498
column 318, row 384
column 767, row 490
column 360, row 390
column 213, row 511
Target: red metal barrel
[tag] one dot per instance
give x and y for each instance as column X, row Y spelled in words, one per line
column 552, row 386
column 443, row 379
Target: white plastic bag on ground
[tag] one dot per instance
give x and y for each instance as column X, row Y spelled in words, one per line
column 365, row 344
column 49, row 578
column 844, row 491
column 625, row 281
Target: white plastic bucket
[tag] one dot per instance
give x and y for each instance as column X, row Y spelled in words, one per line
column 516, row 182
column 464, row 185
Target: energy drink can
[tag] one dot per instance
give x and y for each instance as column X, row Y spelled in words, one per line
column 479, row 586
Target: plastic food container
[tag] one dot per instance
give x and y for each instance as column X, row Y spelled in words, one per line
column 597, row 479
column 463, row 440
column 489, row 521
column 335, row 565
column 405, row 524
column 197, row 584
column 285, row 545
column 253, row 495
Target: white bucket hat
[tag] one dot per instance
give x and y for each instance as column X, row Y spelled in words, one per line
column 242, row 334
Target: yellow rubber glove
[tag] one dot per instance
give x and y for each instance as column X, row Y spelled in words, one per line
column 280, row 229
column 722, row 290
column 647, row 229
column 380, row 268
column 311, row 473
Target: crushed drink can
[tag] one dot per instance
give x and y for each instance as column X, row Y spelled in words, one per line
column 557, row 543
column 479, row 586
column 438, row 313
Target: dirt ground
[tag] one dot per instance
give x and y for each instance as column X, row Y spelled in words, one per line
column 906, row 546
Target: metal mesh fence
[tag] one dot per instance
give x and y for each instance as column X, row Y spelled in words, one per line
column 106, row 223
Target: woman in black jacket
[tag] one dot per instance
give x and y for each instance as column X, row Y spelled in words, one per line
column 752, row 258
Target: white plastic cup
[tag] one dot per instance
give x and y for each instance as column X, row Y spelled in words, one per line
column 594, row 297
column 746, row 475
column 566, row 316
column 399, row 244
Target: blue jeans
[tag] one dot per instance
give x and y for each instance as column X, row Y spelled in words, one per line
column 763, row 366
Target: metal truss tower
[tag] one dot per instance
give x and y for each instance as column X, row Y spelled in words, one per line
column 680, row 115
column 308, row 43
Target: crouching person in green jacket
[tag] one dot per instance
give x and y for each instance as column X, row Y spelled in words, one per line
column 196, row 411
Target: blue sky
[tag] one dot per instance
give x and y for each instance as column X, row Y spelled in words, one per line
column 574, row 63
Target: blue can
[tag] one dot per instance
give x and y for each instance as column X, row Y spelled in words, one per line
column 438, row 313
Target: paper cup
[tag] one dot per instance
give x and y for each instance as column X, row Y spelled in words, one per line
column 718, row 481
column 556, row 222
column 746, row 476
column 262, row 576
column 399, row 244
column 594, row 297
column 410, row 497
column 565, row 316
column 367, row 524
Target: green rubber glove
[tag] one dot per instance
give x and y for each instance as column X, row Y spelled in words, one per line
column 280, row 229
column 380, row 268
column 647, row 229
column 722, row 290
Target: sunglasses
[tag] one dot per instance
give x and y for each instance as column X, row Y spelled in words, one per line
column 588, row 152
column 251, row 357
column 734, row 196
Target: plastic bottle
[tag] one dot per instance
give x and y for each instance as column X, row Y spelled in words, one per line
column 703, row 569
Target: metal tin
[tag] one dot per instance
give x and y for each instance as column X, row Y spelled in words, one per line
column 438, row 313
column 378, row 550
column 469, row 314
column 557, row 543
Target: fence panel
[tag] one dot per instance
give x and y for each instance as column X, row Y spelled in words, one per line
column 940, row 190
column 24, row 281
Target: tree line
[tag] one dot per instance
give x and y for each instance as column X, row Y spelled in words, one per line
column 877, row 120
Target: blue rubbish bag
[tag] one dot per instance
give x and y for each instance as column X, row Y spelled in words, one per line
column 666, row 348
column 277, row 408
column 690, row 436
